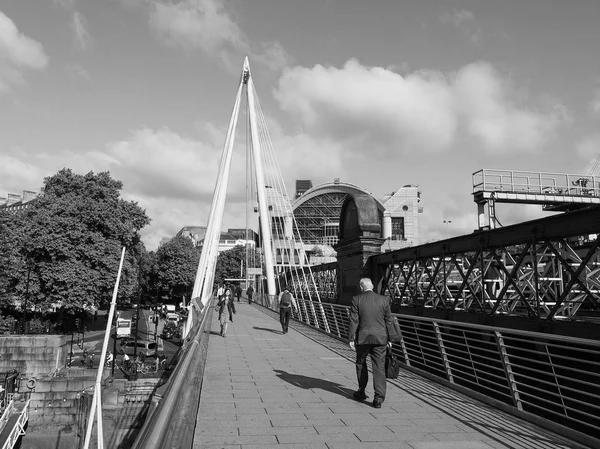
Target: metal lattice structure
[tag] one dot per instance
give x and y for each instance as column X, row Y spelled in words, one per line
column 324, row 281
column 539, row 268
column 317, row 212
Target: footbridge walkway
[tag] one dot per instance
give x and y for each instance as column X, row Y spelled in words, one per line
column 262, row 389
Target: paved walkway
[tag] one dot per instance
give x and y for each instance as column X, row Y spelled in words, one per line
column 265, row 390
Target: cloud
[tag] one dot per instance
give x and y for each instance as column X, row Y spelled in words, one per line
column 67, row 4
column 595, row 102
column 588, row 148
column 465, row 21
column 207, row 25
column 17, row 52
column 77, row 71
column 375, row 108
column 80, row 31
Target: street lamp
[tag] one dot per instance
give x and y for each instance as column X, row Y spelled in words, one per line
column 447, row 222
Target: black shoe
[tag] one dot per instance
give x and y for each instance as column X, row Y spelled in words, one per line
column 376, row 404
column 359, row 395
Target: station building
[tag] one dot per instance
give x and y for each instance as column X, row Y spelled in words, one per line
column 317, row 212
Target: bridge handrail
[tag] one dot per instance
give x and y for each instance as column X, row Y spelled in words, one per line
column 548, row 379
column 19, row 427
column 496, row 180
column 170, row 423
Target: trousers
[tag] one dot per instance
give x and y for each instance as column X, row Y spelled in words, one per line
column 377, row 353
column 284, row 318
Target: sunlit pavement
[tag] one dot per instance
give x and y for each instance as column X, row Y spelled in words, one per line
column 262, row 389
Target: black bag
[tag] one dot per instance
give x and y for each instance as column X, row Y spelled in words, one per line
column 394, row 332
column 392, row 365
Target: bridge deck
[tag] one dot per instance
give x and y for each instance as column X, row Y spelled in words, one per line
column 262, row 389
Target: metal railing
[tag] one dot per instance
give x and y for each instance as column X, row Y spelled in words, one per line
column 538, row 183
column 171, row 424
column 550, row 380
column 18, row 428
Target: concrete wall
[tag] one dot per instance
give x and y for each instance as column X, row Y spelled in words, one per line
column 33, row 355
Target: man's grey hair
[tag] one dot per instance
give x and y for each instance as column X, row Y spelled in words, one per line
column 366, row 284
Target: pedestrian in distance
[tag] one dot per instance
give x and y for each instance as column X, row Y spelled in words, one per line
column 370, row 318
column 220, row 291
column 249, row 292
column 286, row 302
column 238, row 292
column 226, row 307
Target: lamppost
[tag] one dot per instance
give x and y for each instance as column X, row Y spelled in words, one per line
column 447, row 222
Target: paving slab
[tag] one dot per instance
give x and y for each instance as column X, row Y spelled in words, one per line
column 262, row 389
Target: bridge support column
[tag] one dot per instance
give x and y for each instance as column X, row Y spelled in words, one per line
column 360, row 238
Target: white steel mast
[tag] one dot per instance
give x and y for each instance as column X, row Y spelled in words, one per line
column 265, row 222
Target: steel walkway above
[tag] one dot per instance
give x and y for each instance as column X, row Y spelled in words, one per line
column 262, row 389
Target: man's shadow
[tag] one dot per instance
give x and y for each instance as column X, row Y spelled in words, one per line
column 267, row 329
column 309, row 383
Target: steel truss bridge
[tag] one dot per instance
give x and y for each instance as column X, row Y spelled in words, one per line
column 547, row 268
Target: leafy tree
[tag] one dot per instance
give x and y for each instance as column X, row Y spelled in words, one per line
column 229, row 263
column 74, row 234
column 176, row 266
column 11, row 266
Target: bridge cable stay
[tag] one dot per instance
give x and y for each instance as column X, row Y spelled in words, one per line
column 275, row 211
column 97, row 398
column 203, row 284
column 287, row 241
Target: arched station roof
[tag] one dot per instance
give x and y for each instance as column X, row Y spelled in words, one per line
column 334, row 187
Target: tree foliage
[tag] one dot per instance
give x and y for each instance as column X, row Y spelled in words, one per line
column 71, row 240
column 230, row 266
column 175, row 267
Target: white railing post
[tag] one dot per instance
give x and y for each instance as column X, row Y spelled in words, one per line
column 510, row 378
column 443, row 353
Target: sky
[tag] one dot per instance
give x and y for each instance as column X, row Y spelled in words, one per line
column 379, row 94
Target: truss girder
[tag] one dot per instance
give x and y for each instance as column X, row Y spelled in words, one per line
column 530, row 269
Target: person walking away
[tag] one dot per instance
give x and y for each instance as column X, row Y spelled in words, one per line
column 249, row 292
column 226, row 307
column 370, row 317
column 286, row 302
column 238, row 292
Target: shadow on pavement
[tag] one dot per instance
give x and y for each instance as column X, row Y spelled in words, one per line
column 309, row 383
column 267, row 329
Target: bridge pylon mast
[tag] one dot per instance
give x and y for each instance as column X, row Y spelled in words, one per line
column 265, row 225
column 203, row 284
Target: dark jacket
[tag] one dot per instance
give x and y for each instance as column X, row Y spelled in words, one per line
column 370, row 317
column 224, row 303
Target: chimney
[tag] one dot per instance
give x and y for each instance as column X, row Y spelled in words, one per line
column 13, row 198
column 28, row 195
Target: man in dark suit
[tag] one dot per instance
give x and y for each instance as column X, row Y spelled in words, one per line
column 370, row 317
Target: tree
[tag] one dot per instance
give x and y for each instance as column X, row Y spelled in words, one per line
column 11, row 267
column 74, row 234
column 229, row 263
column 176, row 266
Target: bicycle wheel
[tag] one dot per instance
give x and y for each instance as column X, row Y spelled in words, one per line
column 144, row 368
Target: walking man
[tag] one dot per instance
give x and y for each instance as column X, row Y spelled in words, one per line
column 238, row 292
column 249, row 292
column 286, row 302
column 370, row 317
column 220, row 291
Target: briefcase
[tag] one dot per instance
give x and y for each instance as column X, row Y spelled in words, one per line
column 392, row 365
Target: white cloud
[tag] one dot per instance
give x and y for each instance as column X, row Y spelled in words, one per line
column 78, row 71
column 595, row 102
column 465, row 21
column 80, row 30
column 209, row 26
column 588, row 148
column 17, row 52
column 375, row 108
